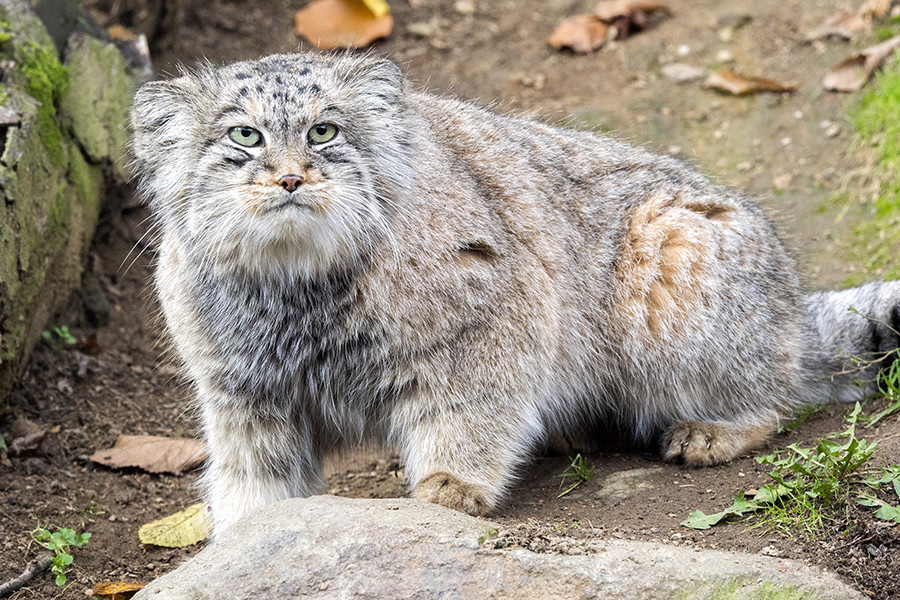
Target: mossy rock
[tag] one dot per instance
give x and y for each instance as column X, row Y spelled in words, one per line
column 58, row 138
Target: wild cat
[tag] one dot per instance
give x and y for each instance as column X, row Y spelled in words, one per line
column 344, row 258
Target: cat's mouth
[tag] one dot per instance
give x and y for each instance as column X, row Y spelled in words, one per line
column 289, row 203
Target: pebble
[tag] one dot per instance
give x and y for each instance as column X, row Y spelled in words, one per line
column 464, row 7
column 780, row 182
column 681, row 73
column 831, row 128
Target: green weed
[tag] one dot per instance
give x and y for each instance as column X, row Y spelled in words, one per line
column 62, row 333
column 60, row 543
column 889, row 387
column 578, row 472
column 812, row 485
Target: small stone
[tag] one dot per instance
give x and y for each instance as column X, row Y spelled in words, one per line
column 682, row 73
column 424, row 29
column 724, row 56
column 780, row 182
column 874, row 551
column 64, row 387
column 464, row 7
column 786, row 141
column 683, row 50
column 831, row 128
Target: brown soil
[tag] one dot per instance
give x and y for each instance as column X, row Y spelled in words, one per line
column 773, row 145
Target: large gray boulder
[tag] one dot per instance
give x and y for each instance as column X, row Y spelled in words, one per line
column 63, row 125
column 330, row 547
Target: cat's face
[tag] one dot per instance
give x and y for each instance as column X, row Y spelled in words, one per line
column 290, row 163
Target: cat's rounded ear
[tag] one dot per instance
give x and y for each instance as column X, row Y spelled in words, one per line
column 380, row 75
column 159, row 111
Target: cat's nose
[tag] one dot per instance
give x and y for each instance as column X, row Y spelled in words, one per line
column 290, row 182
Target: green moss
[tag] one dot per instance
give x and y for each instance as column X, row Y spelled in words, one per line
column 879, row 128
column 47, row 80
column 740, row 588
column 88, row 183
column 5, row 33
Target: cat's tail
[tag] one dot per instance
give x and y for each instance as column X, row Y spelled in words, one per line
column 854, row 334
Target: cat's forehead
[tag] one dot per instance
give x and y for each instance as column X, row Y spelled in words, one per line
column 279, row 85
column 280, row 68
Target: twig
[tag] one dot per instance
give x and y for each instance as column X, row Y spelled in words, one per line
column 858, row 540
column 39, row 564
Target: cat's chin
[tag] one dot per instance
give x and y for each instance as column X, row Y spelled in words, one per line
column 283, row 244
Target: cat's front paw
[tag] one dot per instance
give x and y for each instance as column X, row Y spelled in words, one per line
column 698, row 443
column 447, row 490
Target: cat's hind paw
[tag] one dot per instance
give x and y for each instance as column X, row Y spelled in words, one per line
column 699, row 443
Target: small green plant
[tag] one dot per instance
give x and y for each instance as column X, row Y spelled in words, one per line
column 889, row 475
column 62, row 333
column 889, row 387
column 811, row 485
column 578, row 472
column 60, row 543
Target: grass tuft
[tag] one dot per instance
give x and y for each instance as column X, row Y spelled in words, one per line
column 875, row 118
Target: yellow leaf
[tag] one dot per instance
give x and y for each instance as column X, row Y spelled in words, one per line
column 379, row 8
column 184, row 528
column 116, row 590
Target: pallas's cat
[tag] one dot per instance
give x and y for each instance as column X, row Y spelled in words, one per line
column 343, row 258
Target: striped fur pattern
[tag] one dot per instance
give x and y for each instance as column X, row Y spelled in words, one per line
column 456, row 284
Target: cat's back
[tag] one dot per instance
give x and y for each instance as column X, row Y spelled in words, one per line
column 604, row 234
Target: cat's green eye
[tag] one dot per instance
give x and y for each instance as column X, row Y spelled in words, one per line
column 245, row 136
column 321, row 133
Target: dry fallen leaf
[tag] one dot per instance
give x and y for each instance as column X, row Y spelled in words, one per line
column 852, row 73
column 184, row 528
column 842, row 24
column 329, row 24
column 737, row 84
column 581, row 33
column 116, row 590
column 613, row 19
column 152, row 453
column 610, row 10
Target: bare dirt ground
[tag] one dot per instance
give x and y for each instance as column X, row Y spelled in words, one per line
column 789, row 150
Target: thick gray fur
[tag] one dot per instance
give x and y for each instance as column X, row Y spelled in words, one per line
column 459, row 285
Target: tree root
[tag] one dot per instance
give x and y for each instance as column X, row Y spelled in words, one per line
column 39, row 564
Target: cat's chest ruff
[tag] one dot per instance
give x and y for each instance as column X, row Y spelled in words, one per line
column 273, row 337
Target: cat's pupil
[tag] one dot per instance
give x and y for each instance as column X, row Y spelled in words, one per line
column 322, row 129
column 246, row 132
